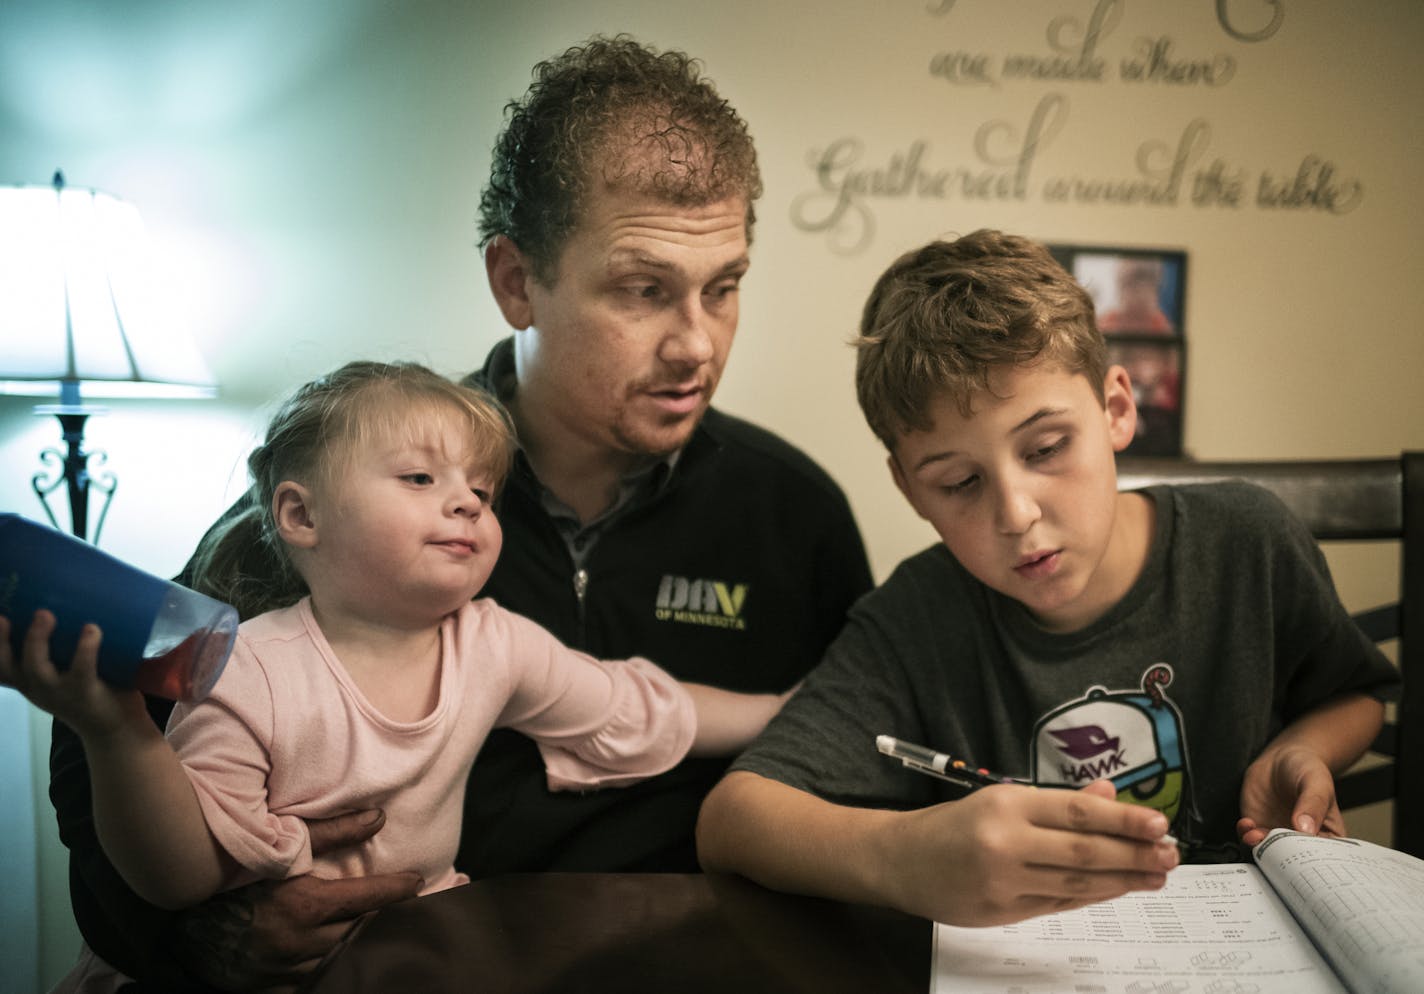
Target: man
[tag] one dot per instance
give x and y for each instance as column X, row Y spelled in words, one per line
column 638, row 521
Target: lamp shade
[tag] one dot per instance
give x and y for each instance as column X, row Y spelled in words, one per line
column 78, row 301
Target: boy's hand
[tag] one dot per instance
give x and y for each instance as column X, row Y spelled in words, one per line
column 1288, row 788
column 1003, row 854
column 999, row 855
column 76, row 696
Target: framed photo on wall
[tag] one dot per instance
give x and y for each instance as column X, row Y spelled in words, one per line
column 1138, row 295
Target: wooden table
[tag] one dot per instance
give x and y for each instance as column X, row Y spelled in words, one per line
column 596, row 932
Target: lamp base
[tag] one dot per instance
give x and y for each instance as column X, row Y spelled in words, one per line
column 71, row 467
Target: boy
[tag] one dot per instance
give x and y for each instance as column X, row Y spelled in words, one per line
column 1182, row 650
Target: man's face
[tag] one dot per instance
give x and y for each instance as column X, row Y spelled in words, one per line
column 625, row 348
column 1023, row 492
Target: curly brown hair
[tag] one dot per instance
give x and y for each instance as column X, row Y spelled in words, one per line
column 583, row 121
column 942, row 317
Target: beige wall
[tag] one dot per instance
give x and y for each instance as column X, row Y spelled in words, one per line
column 310, row 174
column 311, row 180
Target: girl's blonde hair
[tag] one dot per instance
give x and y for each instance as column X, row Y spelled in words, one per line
column 242, row 560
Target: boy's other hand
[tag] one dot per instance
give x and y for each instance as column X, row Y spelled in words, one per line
column 1288, row 788
column 273, row 934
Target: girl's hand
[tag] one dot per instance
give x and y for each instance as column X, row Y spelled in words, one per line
column 76, row 696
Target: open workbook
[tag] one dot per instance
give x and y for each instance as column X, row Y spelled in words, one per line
column 1311, row 915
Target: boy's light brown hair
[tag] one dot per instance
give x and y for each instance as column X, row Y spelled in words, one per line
column 942, row 317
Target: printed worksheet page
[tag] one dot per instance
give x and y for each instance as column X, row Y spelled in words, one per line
column 1217, row 929
column 1363, row 903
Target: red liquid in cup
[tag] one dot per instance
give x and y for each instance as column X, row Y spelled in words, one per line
column 185, row 671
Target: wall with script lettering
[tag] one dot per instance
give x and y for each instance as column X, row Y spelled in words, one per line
column 1277, row 144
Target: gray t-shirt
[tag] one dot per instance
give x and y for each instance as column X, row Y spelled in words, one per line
column 1232, row 631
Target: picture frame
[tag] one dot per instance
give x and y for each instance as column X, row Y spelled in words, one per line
column 1139, row 295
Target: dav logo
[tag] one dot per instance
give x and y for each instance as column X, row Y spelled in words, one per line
column 714, row 603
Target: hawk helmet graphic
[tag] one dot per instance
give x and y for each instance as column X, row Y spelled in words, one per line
column 1133, row 738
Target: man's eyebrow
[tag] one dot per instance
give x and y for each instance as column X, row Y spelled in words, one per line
column 633, row 258
column 627, row 258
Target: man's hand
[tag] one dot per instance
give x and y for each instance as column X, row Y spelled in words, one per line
column 273, row 934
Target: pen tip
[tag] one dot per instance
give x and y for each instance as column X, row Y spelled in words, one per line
column 884, row 742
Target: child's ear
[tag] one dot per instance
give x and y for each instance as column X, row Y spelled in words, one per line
column 1120, row 407
column 292, row 511
column 509, row 273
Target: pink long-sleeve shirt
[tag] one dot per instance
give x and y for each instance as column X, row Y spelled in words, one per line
column 286, row 735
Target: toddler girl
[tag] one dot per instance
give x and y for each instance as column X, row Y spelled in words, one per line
column 373, row 677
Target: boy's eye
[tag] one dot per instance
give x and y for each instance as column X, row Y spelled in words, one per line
column 420, row 479
column 1050, row 450
column 484, row 495
column 962, row 486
